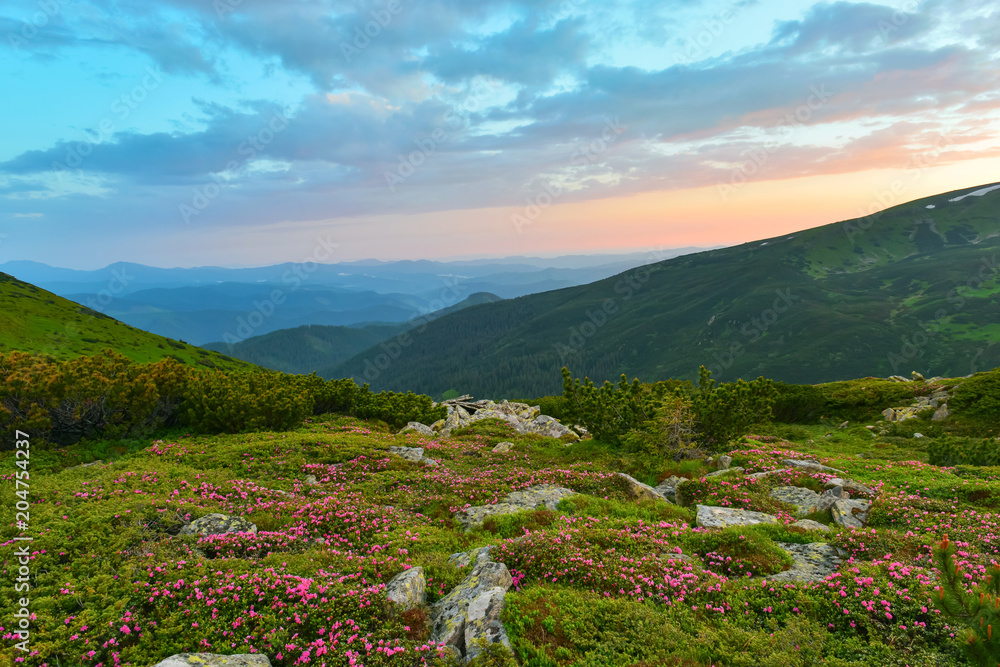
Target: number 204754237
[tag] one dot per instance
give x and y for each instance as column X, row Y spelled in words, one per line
column 22, row 454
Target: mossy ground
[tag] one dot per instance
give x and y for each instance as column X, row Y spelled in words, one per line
column 597, row 582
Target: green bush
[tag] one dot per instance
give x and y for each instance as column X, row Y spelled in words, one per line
column 738, row 552
column 953, row 450
column 978, row 397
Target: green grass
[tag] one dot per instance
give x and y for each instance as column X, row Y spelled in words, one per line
column 36, row 321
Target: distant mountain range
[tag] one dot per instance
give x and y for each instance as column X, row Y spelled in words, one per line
column 915, row 287
column 211, row 304
column 322, row 348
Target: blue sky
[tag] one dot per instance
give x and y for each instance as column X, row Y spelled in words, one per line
column 247, row 132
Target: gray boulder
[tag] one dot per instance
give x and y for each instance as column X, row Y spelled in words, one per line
column 637, row 489
column 465, row 558
column 720, row 517
column 810, row 466
column 218, row 524
column 803, row 500
column 419, row 429
column 215, row 660
column 726, row 471
column 809, row 524
column 668, row 487
column 545, row 496
column 849, row 485
column 851, row 513
column 412, row 454
column 482, row 622
column 503, row 447
column 408, row 589
column 812, row 562
column 451, row 613
column 723, row 462
column 941, row 413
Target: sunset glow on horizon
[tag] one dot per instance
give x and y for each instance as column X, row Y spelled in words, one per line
column 179, row 135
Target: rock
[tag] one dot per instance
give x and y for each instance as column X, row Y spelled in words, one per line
column 218, row 524
column 724, row 462
column 720, row 517
column 810, row 466
column 726, row 471
column 844, row 425
column 482, row 622
column 804, row 500
column 477, row 556
column 900, row 414
column 849, row 485
column 412, row 454
column 503, row 447
column 451, row 613
column 761, row 475
column 215, row 660
column 898, row 378
column 310, row 480
column 851, row 513
column 549, row 427
column 637, row 489
column 408, row 589
column 668, row 487
column 919, row 435
column 809, row 524
column 418, row 428
column 916, row 377
column 490, row 413
column 545, row 496
column 941, row 413
column 438, row 425
column 539, row 496
column 812, row 562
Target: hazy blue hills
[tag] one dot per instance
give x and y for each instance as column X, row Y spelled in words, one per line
column 914, row 287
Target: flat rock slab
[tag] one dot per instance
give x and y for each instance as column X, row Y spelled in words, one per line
column 419, row 429
column 726, row 471
column 720, row 517
column 803, row 500
column 809, row 524
column 412, row 454
column 218, row 524
column 540, row 496
column 813, row 562
column 811, row 466
column 214, row 660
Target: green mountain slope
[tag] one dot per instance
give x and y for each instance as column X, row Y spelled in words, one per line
column 322, row 348
column 36, row 321
column 912, row 288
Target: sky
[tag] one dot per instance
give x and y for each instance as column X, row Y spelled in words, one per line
column 251, row 132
